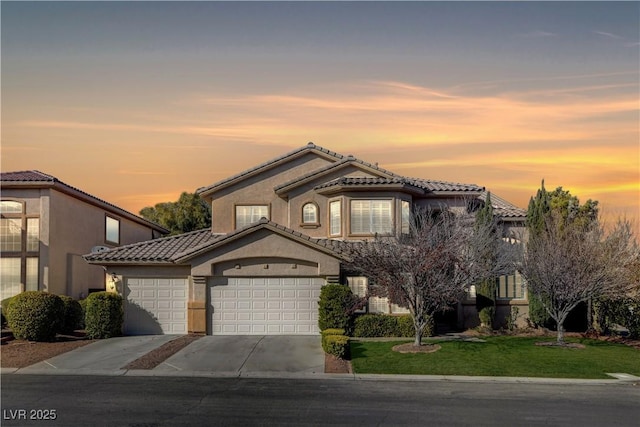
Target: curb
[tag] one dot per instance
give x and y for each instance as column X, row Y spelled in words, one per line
column 322, row 376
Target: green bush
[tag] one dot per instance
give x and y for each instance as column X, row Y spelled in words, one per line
column 335, row 308
column 35, row 315
column 73, row 317
column 4, row 307
column 336, row 345
column 486, row 315
column 104, row 315
column 384, row 325
column 83, row 306
column 622, row 311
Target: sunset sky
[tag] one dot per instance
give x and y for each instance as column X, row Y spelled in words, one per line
column 137, row 102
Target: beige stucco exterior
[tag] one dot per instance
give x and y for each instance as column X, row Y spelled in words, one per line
column 71, row 224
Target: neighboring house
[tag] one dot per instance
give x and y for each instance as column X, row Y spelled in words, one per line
column 275, row 241
column 45, row 228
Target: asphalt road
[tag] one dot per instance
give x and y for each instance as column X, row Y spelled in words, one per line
column 177, row 401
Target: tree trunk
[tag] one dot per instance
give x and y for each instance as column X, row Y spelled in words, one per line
column 419, row 325
column 560, row 339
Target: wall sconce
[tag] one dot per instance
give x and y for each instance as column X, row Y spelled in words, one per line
column 294, row 266
column 237, row 266
column 266, row 266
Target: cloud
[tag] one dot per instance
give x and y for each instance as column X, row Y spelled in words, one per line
column 606, row 34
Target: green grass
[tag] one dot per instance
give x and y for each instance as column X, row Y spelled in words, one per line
column 499, row 356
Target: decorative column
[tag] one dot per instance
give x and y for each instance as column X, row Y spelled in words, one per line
column 197, row 305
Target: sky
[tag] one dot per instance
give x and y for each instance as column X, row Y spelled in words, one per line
column 136, row 102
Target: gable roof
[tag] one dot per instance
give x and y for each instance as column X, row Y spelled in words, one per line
column 156, row 251
column 309, row 148
column 346, row 161
column 37, row 179
column 177, row 249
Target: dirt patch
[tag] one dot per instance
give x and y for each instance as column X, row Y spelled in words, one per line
column 410, row 348
column 335, row 365
column 162, row 353
column 20, row 353
column 561, row 345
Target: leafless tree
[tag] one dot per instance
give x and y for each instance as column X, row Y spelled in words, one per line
column 433, row 266
column 570, row 263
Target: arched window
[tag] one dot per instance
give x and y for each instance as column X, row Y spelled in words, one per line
column 310, row 213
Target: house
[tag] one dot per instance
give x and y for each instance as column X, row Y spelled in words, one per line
column 274, row 241
column 45, row 228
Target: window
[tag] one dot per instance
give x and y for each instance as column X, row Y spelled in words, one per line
column 20, row 245
column 250, row 214
column 358, row 286
column 112, row 233
column 371, row 216
column 511, row 287
column 310, row 213
column 406, row 217
column 335, row 218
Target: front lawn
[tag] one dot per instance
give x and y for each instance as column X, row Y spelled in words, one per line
column 499, row 356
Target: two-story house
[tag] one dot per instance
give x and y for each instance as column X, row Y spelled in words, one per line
column 274, row 242
column 45, row 228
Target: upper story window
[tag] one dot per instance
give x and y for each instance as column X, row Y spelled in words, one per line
column 310, row 213
column 248, row 214
column 371, row 216
column 112, row 230
column 20, row 246
column 335, row 218
column 511, row 287
column 405, row 217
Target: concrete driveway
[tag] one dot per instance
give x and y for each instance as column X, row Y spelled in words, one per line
column 236, row 355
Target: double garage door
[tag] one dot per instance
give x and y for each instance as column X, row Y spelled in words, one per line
column 155, row 306
column 265, row 306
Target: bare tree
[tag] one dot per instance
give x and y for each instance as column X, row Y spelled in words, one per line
column 431, row 267
column 568, row 263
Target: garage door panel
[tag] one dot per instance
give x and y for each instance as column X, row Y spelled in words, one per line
column 265, row 306
column 155, row 306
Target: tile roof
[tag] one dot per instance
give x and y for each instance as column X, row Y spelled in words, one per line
column 330, row 245
column 504, row 209
column 37, row 178
column 156, row 251
column 309, row 147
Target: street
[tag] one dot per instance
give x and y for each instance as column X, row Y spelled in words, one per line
column 169, row 401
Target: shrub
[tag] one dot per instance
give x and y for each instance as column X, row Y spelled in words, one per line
column 83, row 306
column 4, row 307
column 35, row 315
column 104, row 315
column 335, row 308
column 486, row 315
column 336, row 345
column 384, row 325
column 333, row 331
column 73, row 317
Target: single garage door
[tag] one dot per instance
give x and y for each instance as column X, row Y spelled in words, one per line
column 155, row 306
column 266, row 306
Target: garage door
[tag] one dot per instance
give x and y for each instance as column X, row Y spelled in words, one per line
column 155, row 306
column 266, row 306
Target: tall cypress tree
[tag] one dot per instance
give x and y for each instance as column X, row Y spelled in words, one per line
column 486, row 288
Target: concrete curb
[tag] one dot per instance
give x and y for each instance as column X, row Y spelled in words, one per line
column 320, row 376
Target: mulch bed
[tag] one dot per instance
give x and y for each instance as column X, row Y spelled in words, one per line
column 21, row 353
column 335, row 365
column 162, row 353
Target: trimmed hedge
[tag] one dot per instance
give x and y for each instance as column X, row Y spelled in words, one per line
column 384, row 325
column 334, row 308
column 4, row 307
column 73, row 315
column 83, row 306
column 333, row 331
column 104, row 315
column 35, row 315
column 336, row 345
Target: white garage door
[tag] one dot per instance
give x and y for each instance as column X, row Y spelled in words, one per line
column 155, row 306
column 266, row 306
